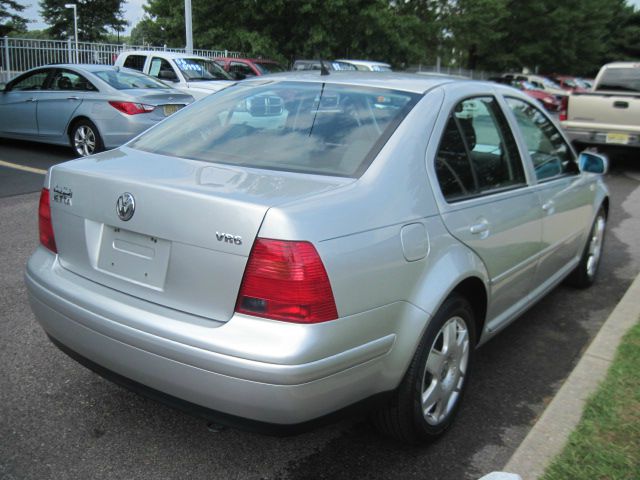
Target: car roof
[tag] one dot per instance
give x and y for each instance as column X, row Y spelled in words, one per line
column 407, row 82
column 162, row 53
column 259, row 60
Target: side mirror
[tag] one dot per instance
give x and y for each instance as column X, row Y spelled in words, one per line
column 593, row 162
column 3, row 87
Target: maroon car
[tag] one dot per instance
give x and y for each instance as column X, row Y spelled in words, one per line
column 570, row 84
column 550, row 102
column 240, row 68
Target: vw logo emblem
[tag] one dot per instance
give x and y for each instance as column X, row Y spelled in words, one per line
column 125, row 206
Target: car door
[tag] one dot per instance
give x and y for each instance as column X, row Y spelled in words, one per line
column 65, row 92
column 565, row 199
column 488, row 203
column 18, row 103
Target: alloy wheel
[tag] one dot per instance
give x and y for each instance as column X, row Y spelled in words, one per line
column 444, row 371
column 84, row 140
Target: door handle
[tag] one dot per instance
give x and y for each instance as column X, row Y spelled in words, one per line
column 480, row 227
column 620, row 104
column 549, row 207
column 32, row 99
column 73, row 97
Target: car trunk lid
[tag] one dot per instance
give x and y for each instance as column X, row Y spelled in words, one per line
column 192, row 228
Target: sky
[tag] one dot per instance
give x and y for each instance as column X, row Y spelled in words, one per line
column 132, row 12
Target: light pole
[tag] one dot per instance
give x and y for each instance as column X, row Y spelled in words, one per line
column 187, row 26
column 75, row 24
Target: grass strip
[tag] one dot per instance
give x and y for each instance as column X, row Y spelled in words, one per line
column 606, row 443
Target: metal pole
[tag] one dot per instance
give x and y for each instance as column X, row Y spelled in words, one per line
column 75, row 24
column 187, row 25
column 7, row 60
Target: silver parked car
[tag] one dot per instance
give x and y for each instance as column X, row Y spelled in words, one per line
column 90, row 107
column 293, row 246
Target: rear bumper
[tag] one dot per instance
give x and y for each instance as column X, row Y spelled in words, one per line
column 598, row 138
column 298, row 384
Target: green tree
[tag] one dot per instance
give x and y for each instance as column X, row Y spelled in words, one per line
column 10, row 19
column 95, row 18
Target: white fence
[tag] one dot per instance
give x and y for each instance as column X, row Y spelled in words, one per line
column 20, row 54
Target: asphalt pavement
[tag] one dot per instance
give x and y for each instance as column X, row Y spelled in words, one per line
column 59, row 420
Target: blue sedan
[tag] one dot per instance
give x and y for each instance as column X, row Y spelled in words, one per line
column 89, row 107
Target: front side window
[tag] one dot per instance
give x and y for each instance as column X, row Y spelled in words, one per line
column 31, row 81
column 551, row 155
column 243, row 68
column 160, row 68
column 477, row 153
column 305, row 127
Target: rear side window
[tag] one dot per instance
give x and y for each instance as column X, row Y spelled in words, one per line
column 477, row 153
column 550, row 154
column 136, row 62
column 305, row 127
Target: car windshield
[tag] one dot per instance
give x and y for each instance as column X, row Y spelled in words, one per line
column 268, row 67
column 127, row 80
column 305, row 127
column 622, row 79
column 199, row 69
column 380, row 68
column 528, row 86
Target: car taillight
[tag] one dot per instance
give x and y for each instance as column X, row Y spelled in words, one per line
column 286, row 280
column 131, row 108
column 564, row 105
column 44, row 222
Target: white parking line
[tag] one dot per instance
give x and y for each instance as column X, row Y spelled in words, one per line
column 24, row 168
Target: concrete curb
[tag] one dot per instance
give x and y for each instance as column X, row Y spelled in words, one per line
column 550, row 433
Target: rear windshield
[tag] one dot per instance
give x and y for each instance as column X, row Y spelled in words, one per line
column 121, row 80
column 620, row 79
column 316, row 128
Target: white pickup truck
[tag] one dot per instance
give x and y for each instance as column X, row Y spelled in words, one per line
column 192, row 74
column 610, row 114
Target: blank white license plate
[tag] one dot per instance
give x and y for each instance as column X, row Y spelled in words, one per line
column 620, row 138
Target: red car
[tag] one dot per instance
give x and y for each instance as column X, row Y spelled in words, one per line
column 241, row 68
column 550, row 102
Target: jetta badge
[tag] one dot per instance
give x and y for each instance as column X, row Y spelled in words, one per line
column 125, row 206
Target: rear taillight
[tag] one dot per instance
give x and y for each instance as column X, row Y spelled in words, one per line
column 286, row 281
column 44, row 222
column 564, row 105
column 131, row 108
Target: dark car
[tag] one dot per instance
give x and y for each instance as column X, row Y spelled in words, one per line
column 241, row 68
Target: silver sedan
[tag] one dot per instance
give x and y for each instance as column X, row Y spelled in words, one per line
column 90, row 107
column 293, row 246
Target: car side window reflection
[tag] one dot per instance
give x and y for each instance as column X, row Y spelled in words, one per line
column 477, row 153
column 550, row 154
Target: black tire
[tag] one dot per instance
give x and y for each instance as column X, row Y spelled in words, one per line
column 403, row 417
column 585, row 273
column 85, row 138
